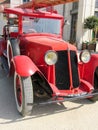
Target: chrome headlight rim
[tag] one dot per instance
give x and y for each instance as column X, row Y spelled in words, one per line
column 85, row 56
column 51, row 57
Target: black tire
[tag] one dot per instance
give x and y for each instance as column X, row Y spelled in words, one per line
column 23, row 94
column 95, row 98
column 12, row 49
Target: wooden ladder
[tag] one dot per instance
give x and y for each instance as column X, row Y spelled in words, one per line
column 35, row 4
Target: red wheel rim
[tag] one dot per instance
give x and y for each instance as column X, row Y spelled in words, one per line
column 18, row 90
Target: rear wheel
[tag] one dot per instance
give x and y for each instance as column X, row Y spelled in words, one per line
column 23, row 94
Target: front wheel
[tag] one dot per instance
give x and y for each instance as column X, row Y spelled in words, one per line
column 23, row 94
column 95, row 98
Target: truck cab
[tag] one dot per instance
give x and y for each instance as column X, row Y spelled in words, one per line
column 43, row 64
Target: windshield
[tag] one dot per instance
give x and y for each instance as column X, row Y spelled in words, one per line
column 41, row 25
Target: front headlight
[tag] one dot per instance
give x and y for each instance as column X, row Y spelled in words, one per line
column 51, row 57
column 85, row 56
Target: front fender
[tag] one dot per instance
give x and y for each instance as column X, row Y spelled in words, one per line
column 87, row 70
column 24, row 66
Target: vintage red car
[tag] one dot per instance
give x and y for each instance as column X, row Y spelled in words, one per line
column 43, row 64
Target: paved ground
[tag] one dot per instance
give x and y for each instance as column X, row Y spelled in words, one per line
column 80, row 115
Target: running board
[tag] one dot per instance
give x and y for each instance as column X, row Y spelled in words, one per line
column 63, row 99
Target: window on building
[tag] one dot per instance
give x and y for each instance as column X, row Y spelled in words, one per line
column 25, row 1
column 75, row 6
column 96, row 13
column 73, row 27
column 96, row 4
column 74, row 15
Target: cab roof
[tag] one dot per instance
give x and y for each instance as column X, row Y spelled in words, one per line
column 30, row 12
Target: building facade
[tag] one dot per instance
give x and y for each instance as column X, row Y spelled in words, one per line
column 86, row 8
column 76, row 13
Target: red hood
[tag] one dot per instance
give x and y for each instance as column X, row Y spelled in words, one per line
column 53, row 42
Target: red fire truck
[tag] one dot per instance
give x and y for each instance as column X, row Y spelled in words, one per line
column 44, row 65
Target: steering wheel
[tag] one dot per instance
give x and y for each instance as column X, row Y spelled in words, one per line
column 32, row 31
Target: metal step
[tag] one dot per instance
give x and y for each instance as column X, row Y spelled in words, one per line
column 59, row 99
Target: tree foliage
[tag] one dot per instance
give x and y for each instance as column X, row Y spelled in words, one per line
column 91, row 23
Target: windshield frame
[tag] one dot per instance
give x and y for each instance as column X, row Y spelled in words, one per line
column 34, row 13
column 41, row 25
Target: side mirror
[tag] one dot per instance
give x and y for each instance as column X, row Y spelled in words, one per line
column 66, row 22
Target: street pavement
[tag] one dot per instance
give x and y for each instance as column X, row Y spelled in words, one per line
column 78, row 115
